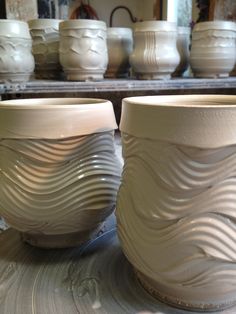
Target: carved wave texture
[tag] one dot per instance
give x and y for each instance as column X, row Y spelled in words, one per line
column 176, row 213
column 58, row 186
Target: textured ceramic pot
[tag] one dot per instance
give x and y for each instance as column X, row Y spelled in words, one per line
column 16, row 59
column 155, row 54
column 83, row 49
column 120, row 46
column 45, row 34
column 58, row 170
column 176, row 205
column 183, row 44
column 213, row 49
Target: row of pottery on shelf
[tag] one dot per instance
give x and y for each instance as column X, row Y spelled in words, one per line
column 87, row 50
column 176, row 203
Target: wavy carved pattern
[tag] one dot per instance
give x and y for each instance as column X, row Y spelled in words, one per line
column 58, row 186
column 176, row 213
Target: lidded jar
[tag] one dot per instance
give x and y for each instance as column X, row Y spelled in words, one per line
column 45, row 35
column 155, row 54
column 83, row 49
column 213, row 49
column 16, row 59
column 120, row 46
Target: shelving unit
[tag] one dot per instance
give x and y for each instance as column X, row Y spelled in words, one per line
column 116, row 89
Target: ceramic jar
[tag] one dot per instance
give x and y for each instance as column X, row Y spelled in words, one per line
column 45, row 34
column 120, row 46
column 176, row 205
column 16, row 59
column 59, row 173
column 155, row 54
column 83, row 49
column 213, row 49
column 183, row 44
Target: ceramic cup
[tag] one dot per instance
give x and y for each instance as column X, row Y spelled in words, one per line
column 155, row 55
column 183, row 44
column 59, row 173
column 213, row 49
column 45, row 34
column 16, row 59
column 120, row 46
column 83, row 49
column 176, row 205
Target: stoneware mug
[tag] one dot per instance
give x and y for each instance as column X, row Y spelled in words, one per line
column 59, row 173
column 176, row 206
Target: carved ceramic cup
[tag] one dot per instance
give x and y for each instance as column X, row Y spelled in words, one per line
column 120, row 46
column 83, row 49
column 16, row 59
column 155, row 54
column 59, row 174
column 45, row 34
column 176, row 205
column 213, row 49
column 183, row 44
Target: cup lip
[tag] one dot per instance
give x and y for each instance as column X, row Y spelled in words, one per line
column 119, row 31
column 14, row 29
column 200, row 121
column 82, row 24
column 44, row 23
column 215, row 25
column 53, row 118
column 155, row 25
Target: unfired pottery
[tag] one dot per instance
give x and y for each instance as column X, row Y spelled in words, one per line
column 45, row 34
column 16, row 59
column 58, row 170
column 213, row 49
column 120, row 46
column 183, row 45
column 83, row 49
column 155, row 54
column 176, row 205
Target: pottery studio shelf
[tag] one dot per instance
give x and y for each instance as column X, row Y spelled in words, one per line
column 116, row 89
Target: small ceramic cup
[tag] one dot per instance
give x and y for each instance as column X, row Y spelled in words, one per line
column 213, row 49
column 16, row 59
column 83, row 49
column 45, row 34
column 155, row 55
column 120, row 46
column 176, row 205
column 59, row 173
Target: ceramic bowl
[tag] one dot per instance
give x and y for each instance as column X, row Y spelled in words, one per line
column 16, row 59
column 176, row 205
column 59, row 174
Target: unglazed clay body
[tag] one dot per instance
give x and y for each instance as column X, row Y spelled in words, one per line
column 120, row 46
column 16, row 59
column 58, row 170
column 183, row 43
column 45, row 34
column 83, row 49
column 155, row 54
column 176, row 206
column 213, row 49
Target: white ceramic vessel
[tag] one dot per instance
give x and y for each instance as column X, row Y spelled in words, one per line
column 120, row 46
column 176, row 205
column 16, row 59
column 83, row 49
column 213, row 49
column 155, row 55
column 183, row 45
column 59, row 174
column 45, row 34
